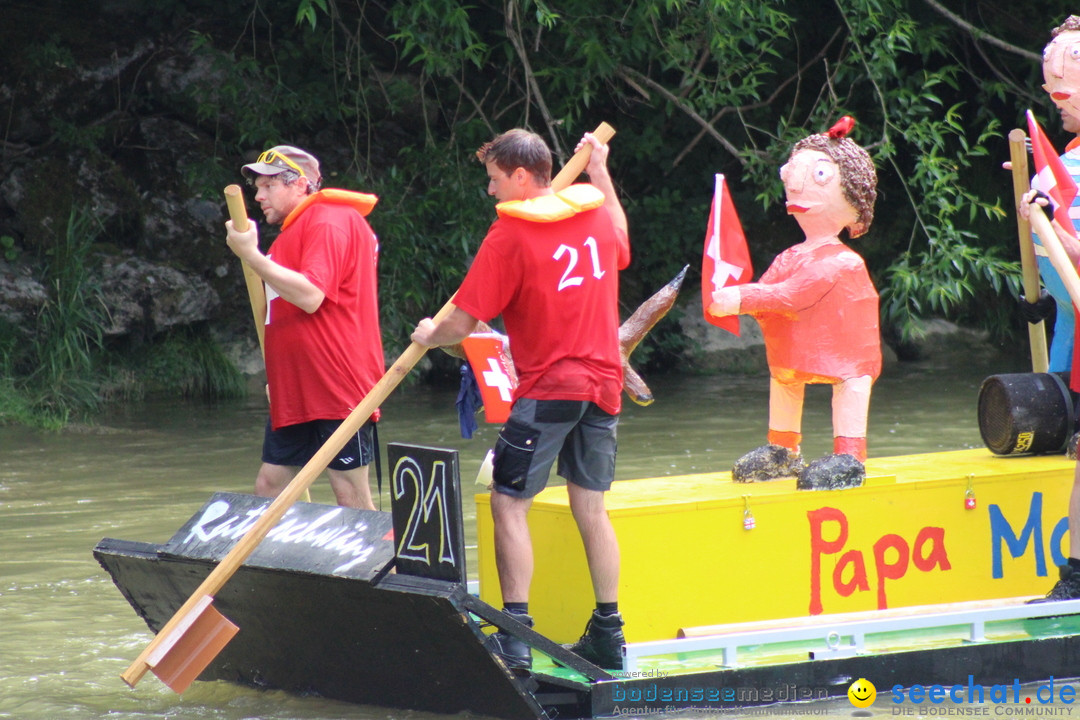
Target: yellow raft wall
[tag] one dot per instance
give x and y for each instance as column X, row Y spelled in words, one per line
column 905, row 538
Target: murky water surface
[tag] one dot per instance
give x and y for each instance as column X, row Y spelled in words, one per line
column 66, row 633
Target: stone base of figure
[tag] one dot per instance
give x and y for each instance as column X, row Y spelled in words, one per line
column 768, row 462
column 832, row 472
column 772, row 462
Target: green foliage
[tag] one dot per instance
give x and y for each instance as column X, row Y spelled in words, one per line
column 185, row 363
column 51, row 54
column 307, row 11
column 926, row 144
column 396, row 97
column 247, row 88
column 716, row 86
column 14, row 406
column 7, row 248
column 63, row 371
column 76, row 135
column 438, row 35
column 62, row 352
column 432, row 213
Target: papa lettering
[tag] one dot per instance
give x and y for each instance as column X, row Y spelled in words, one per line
column 892, row 557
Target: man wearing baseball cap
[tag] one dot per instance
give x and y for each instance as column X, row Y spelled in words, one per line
column 323, row 345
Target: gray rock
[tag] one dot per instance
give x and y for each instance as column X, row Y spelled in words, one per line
column 21, row 295
column 832, row 472
column 768, row 462
column 146, row 298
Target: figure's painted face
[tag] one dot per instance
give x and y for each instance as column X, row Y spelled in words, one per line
column 1061, row 71
column 815, row 195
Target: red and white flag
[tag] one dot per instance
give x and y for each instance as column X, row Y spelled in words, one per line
column 1054, row 179
column 494, row 373
column 726, row 259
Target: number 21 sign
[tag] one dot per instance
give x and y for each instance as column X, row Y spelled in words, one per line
column 425, row 491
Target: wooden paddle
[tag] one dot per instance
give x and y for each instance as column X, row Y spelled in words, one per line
column 256, row 293
column 1054, row 250
column 234, row 198
column 1040, row 361
column 197, row 632
column 576, row 164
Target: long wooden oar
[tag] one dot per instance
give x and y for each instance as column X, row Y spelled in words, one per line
column 256, row 292
column 1040, row 361
column 175, row 628
column 1054, row 250
column 576, row 164
column 234, row 198
column 196, row 633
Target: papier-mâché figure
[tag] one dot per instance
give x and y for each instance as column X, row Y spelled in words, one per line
column 818, row 312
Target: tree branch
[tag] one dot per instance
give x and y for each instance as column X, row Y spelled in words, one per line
column 628, row 74
column 760, row 104
column 519, row 47
column 982, row 35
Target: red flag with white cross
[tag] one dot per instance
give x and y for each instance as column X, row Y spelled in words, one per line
column 726, row 258
column 1054, row 179
column 494, row 372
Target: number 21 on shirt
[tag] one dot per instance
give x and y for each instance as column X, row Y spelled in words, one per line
column 569, row 255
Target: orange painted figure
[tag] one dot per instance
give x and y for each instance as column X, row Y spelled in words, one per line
column 816, row 305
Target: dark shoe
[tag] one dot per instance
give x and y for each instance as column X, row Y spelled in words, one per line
column 515, row 653
column 1066, row 588
column 767, row 462
column 602, row 642
column 832, row 472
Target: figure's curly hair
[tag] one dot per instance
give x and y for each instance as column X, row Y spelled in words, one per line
column 858, row 177
column 1071, row 23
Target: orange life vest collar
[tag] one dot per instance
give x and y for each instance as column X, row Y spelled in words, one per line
column 551, row 208
column 361, row 202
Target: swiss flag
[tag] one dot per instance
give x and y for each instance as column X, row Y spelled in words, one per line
column 1054, row 179
column 726, row 259
column 494, row 373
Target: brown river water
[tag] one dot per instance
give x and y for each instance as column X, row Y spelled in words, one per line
column 66, row 633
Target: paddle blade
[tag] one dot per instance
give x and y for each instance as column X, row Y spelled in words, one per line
column 192, row 645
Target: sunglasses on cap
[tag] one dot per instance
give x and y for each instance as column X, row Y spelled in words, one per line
column 270, row 156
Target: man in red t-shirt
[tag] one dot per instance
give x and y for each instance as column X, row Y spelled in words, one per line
column 323, row 343
column 550, row 265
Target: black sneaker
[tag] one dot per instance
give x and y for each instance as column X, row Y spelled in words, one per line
column 602, row 642
column 1066, row 588
column 515, row 653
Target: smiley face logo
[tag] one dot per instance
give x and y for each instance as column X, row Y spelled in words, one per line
column 862, row 693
